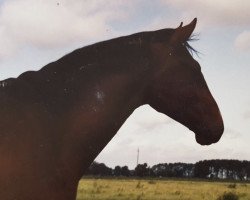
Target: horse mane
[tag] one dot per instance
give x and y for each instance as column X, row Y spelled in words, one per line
column 191, row 49
column 73, row 57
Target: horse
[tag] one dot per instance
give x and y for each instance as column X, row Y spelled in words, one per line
column 55, row 121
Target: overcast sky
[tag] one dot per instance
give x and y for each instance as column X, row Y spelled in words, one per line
column 34, row 33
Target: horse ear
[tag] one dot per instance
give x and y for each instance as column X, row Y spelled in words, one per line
column 180, row 25
column 181, row 34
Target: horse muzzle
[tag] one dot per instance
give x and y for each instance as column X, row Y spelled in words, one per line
column 207, row 137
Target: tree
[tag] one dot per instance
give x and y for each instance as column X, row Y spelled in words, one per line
column 142, row 170
column 160, row 170
column 125, row 171
column 201, row 169
column 118, row 171
column 99, row 169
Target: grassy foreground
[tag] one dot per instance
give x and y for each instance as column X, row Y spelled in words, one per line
column 131, row 189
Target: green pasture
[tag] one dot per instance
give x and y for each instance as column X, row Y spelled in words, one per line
column 133, row 189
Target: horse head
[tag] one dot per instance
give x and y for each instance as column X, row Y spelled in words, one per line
column 178, row 88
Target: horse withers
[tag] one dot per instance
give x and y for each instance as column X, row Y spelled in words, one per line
column 55, row 121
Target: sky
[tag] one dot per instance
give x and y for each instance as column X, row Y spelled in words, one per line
column 34, row 33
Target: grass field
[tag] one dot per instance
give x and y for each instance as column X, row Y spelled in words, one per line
column 131, row 189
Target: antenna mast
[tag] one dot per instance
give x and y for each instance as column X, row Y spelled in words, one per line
column 137, row 161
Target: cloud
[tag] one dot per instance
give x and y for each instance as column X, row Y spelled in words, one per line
column 246, row 115
column 6, row 43
column 242, row 42
column 52, row 24
column 149, row 119
column 211, row 12
column 232, row 134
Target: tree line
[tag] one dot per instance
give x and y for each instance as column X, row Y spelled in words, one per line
column 208, row 169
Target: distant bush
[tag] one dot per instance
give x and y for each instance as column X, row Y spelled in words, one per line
column 139, row 185
column 151, row 182
column 232, row 185
column 228, row 196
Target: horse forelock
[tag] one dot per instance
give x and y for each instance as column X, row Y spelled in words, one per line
column 191, row 49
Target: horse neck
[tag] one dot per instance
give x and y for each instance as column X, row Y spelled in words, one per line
column 107, row 100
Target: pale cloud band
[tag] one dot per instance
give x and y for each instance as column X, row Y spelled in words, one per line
column 53, row 24
column 213, row 12
column 242, row 42
column 49, row 24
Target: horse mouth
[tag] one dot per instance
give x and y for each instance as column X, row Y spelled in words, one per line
column 209, row 137
column 204, row 141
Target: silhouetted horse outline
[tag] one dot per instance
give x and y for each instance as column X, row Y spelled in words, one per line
column 54, row 122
